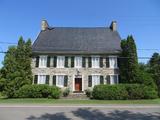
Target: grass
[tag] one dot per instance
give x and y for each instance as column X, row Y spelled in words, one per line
column 63, row 101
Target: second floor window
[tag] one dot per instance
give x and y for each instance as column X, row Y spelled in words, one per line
column 60, row 61
column 95, row 62
column 113, row 62
column 42, row 61
column 78, row 62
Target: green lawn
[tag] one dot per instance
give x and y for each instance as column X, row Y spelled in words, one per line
column 62, row 101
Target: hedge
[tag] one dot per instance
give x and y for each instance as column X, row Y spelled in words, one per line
column 38, row 91
column 123, row 92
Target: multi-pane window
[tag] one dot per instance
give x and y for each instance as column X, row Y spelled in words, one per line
column 41, row 79
column 42, row 61
column 95, row 80
column 113, row 62
column 113, row 79
column 60, row 80
column 95, row 62
column 60, row 61
column 78, row 62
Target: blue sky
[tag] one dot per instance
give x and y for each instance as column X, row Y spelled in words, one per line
column 141, row 18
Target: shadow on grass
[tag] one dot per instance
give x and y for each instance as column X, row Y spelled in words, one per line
column 94, row 114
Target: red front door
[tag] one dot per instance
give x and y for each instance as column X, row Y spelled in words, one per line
column 78, row 84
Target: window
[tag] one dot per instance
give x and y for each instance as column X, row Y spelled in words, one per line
column 60, row 61
column 113, row 79
column 78, row 62
column 60, row 80
column 41, row 79
column 95, row 62
column 113, row 62
column 43, row 61
column 95, row 80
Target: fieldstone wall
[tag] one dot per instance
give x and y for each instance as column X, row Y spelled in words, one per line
column 72, row 72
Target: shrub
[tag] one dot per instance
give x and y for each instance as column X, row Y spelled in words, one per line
column 38, row 91
column 123, row 91
column 66, row 92
column 110, row 92
column 88, row 93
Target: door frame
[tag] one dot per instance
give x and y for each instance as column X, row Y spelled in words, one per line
column 73, row 83
column 78, row 81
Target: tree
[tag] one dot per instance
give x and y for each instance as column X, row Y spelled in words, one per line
column 154, row 64
column 129, row 61
column 16, row 68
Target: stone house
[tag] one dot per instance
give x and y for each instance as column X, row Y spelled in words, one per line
column 76, row 57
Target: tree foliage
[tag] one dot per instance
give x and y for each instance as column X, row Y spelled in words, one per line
column 154, row 65
column 129, row 61
column 16, row 68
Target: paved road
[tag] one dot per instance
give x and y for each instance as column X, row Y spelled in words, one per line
column 79, row 112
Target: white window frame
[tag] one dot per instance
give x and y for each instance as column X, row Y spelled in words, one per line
column 93, row 61
column 60, row 61
column 42, row 61
column 96, row 80
column 78, row 61
column 112, row 81
column 41, row 79
column 113, row 65
column 62, row 80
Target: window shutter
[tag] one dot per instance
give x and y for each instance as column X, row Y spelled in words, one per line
column 65, row 81
column 54, row 80
column 101, row 61
column 108, row 79
column 35, row 79
column 83, row 62
column 55, row 61
column 107, row 62
column 101, row 80
column 48, row 61
column 47, row 79
column 118, row 62
column 72, row 61
column 66, row 62
column 89, row 62
column 89, row 81
column 37, row 61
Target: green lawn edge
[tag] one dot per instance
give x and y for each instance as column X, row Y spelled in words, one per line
column 65, row 101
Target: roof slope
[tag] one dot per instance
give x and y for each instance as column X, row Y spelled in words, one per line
column 77, row 40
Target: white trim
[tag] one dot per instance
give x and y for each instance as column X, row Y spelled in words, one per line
column 73, row 82
column 82, row 83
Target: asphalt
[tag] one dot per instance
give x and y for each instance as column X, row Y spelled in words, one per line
column 79, row 112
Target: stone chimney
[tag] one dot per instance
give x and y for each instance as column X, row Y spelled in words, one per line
column 44, row 25
column 113, row 26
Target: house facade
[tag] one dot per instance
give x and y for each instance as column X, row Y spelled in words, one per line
column 76, row 58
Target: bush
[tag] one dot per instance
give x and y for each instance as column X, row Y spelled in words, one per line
column 38, row 91
column 66, row 92
column 123, row 91
column 88, row 93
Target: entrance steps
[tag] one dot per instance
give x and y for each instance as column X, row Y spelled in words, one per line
column 76, row 96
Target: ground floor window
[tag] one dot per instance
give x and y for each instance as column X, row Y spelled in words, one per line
column 95, row 80
column 60, row 80
column 41, row 79
column 113, row 79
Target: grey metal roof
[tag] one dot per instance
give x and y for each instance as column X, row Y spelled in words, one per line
column 77, row 40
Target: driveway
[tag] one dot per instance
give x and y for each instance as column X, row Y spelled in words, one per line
column 79, row 112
